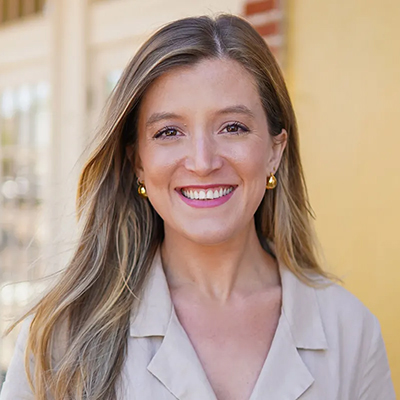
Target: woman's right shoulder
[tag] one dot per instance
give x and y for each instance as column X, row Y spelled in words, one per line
column 16, row 384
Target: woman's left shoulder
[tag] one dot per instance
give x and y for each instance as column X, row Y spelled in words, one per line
column 341, row 308
column 354, row 334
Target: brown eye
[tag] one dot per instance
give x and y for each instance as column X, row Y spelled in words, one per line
column 170, row 132
column 235, row 128
column 232, row 128
column 167, row 133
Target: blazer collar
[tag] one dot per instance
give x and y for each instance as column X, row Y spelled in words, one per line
column 283, row 375
column 299, row 304
column 155, row 305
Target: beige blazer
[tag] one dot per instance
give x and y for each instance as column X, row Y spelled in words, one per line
column 327, row 346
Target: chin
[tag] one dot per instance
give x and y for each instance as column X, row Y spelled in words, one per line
column 209, row 235
column 208, row 240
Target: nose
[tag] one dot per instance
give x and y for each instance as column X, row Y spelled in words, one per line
column 203, row 156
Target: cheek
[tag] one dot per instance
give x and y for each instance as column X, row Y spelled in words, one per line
column 252, row 164
column 251, row 159
column 158, row 164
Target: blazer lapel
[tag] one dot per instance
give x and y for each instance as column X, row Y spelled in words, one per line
column 284, row 374
column 177, row 366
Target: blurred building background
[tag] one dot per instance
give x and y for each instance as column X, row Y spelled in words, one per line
column 59, row 60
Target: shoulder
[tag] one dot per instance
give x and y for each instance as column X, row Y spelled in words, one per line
column 16, row 385
column 354, row 333
column 323, row 301
column 336, row 301
column 346, row 316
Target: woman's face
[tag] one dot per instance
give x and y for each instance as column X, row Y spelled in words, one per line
column 204, row 150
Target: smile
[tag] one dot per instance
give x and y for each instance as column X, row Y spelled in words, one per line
column 206, row 194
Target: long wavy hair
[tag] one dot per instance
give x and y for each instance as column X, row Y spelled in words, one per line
column 90, row 306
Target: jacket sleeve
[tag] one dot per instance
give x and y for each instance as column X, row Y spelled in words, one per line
column 16, row 385
column 377, row 382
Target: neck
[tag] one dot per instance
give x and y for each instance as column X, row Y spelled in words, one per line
column 219, row 271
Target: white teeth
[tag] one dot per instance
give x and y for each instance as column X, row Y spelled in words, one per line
column 206, row 194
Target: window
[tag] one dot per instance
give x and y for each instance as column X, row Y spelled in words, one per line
column 24, row 153
column 112, row 79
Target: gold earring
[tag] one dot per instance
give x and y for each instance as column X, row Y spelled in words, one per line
column 271, row 182
column 142, row 189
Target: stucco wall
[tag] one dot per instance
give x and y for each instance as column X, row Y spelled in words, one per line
column 343, row 63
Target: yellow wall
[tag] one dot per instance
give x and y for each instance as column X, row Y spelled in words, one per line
column 343, row 71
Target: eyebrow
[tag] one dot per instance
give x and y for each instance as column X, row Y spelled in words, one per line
column 236, row 109
column 156, row 117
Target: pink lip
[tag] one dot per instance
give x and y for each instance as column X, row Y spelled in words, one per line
column 206, row 203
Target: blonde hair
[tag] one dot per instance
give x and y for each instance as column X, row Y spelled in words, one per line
column 92, row 302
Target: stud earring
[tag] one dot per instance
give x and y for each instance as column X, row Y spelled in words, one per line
column 271, row 182
column 142, row 189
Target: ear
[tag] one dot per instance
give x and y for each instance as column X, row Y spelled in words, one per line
column 278, row 146
column 135, row 161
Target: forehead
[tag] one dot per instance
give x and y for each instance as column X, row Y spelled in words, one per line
column 209, row 84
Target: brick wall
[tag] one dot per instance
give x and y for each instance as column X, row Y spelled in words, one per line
column 267, row 17
column 11, row 10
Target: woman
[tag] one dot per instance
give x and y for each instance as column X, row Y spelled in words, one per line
column 196, row 275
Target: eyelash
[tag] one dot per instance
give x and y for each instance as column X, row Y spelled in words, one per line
column 236, row 124
column 159, row 134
